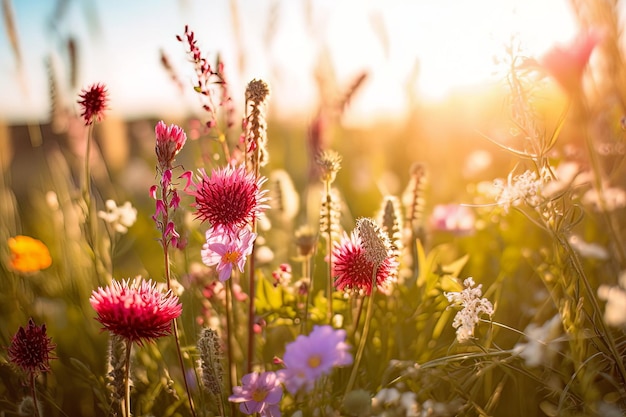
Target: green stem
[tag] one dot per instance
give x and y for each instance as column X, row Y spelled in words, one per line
column 366, row 327
column 33, row 391
column 329, row 253
column 232, row 366
column 306, row 273
column 251, row 309
column 126, row 411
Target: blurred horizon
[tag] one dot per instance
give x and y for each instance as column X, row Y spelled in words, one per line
column 410, row 52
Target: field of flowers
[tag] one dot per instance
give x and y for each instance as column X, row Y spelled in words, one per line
column 237, row 266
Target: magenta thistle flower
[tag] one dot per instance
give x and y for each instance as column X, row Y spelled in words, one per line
column 136, row 311
column 230, row 197
column 227, row 249
column 352, row 269
column 309, row 357
column 93, row 103
column 258, row 393
column 169, row 141
column 30, row 348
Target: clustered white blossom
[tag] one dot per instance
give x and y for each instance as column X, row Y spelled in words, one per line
column 612, row 199
column 541, row 340
column 525, row 187
column 615, row 297
column 120, row 218
column 473, row 306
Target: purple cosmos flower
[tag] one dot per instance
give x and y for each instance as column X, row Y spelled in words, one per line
column 258, row 393
column 226, row 248
column 309, row 357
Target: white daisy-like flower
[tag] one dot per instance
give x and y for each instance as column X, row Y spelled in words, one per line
column 473, row 306
column 120, row 218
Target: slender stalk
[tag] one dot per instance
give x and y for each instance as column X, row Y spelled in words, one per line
column 232, row 366
column 306, row 273
column 33, row 391
column 251, row 309
column 175, row 332
column 126, row 410
column 366, row 327
column 329, row 253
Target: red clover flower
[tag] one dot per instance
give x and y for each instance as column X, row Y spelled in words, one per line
column 93, row 102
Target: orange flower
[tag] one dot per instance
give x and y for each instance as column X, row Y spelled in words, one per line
column 28, row 254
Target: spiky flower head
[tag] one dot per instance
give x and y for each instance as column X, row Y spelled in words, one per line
column 375, row 242
column 353, row 270
column 229, row 197
column 257, row 93
column 28, row 254
column 329, row 163
column 211, row 361
column 30, row 348
column 93, row 102
column 390, row 220
column 138, row 311
column 169, row 141
column 306, row 239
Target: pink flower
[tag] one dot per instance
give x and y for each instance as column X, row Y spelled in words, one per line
column 230, row 197
column 227, row 249
column 309, row 357
column 30, row 348
column 259, row 393
column 93, row 103
column 169, row 141
column 567, row 63
column 452, row 218
column 352, row 269
column 137, row 311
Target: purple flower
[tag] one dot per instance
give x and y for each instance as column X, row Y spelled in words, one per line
column 309, row 357
column 226, row 248
column 258, row 393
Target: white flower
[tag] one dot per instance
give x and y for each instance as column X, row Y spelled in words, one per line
column 614, row 198
column 120, row 218
column 525, row 187
column 473, row 306
column 588, row 250
column 540, row 343
column 615, row 297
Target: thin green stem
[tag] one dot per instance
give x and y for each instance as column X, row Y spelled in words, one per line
column 251, row 309
column 126, row 411
column 329, row 253
column 175, row 332
column 232, row 366
column 33, row 390
column 366, row 327
column 306, row 273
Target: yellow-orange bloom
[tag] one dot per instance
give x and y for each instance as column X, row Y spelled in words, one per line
column 28, row 254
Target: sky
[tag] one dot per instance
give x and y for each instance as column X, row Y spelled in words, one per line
column 449, row 44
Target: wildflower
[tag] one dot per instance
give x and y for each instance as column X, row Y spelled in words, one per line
column 615, row 297
column 612, row 199
column 567, row 63
column 284, row 196
column 120, row 218
column 353, row 270
column 305, row 239
column 453, row 218
column 93, row 103
column 376, row 243
column 538, row 348
column 329, row 163
column 390, row 220
column 210, row 361
column 309, row 357
column 230, row 197
column 282, row 275
column 255, row 126
column 137, row 311
column 587, row 250
column 30, row 348
column 525, row 187
column 473, row 306
column 28, row 254
column 258, row 393
column 169, row 141
column 226, row 249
